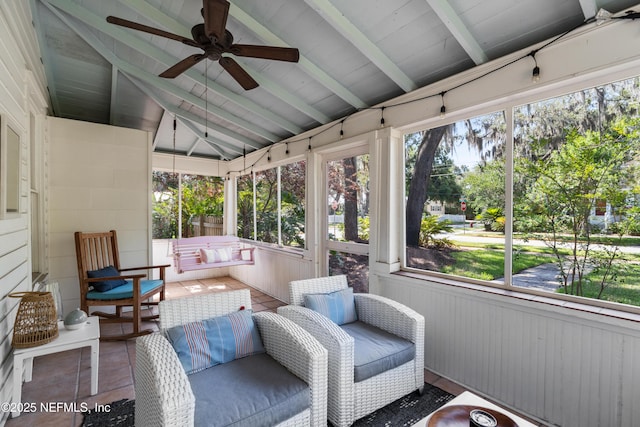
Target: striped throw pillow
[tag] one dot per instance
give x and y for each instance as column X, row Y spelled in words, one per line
column 206, row 343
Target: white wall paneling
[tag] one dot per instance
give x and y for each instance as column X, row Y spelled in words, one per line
column 564, row 366
column 22, row 91
column 100, row 180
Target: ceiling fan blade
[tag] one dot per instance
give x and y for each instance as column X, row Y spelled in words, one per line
column 215, row 13
column 182, row 66
column 238, row 73
column 288, row 54
column 150, row 30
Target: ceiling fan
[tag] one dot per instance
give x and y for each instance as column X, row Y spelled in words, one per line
column 214, row 39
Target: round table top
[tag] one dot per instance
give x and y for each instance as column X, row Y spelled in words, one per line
column 458, row 416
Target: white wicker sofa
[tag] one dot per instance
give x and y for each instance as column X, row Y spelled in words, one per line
column 164, row 395
column 351, row 398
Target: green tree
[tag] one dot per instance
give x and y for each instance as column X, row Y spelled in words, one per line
column 200, row 196
column 292, row 205
column 245, row 206
column 483, row 187
column 566, row 183
column 485, row 134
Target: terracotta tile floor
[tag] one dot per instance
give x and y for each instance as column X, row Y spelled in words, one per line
column 65, row 376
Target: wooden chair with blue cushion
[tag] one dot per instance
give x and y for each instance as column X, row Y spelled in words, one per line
column 103, row 284
column 375, row 345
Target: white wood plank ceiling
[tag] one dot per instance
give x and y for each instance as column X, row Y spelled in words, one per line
column 353, row 54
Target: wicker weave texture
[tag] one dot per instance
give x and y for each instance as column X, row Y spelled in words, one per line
column 299, row 352
column 36, row 320
column 347, row 400
column 199, row 307
column 339, row 344
column 163, row 393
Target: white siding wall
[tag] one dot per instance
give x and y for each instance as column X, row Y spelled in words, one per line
column 100, row 180
column 21, row 95
column 565, row 366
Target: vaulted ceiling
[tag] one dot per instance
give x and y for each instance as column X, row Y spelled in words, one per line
column 353, row 55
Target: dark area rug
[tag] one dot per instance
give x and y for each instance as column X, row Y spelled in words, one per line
column 121, row 414
column 405, row 411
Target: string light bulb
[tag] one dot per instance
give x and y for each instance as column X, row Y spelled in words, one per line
column 341, row 130
column 443, row 109
column 535, row 74
column 286, row 151
column 382, row 117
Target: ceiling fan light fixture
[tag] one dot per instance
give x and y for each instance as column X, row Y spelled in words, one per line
column 215, row 40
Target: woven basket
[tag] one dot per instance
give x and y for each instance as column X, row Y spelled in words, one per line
column 36, row 321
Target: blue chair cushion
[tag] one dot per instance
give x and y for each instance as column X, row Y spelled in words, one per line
column 252, row 391
column 339, row 306
column 377, row 351
column 124, row 291
column 206, row 343
column 105, row 285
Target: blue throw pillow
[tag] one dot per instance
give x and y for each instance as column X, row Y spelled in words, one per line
column 206, row 343
column 105, row 285
column 338, row 306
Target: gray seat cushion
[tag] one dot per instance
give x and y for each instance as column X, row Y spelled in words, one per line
column 252, row 391
column 377, row 351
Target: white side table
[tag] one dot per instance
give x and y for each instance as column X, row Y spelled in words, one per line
column 87, row 336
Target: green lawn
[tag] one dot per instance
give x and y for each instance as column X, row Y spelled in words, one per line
column 625, row 289
column 488, row 264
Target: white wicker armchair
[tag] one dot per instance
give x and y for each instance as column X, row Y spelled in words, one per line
column 349, row 400
column 163, row 393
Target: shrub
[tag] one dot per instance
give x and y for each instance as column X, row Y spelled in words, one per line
column 429, row 227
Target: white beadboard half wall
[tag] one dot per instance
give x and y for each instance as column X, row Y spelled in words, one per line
column 562, row 365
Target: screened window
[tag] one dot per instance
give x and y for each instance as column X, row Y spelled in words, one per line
column 271, row 205
column 187, row 205
column 574, row 224
column 455, row 197
column 348, row 221
column 576, row 192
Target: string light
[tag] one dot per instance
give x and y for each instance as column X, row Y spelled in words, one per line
column 286, row 151
column 535, row 74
